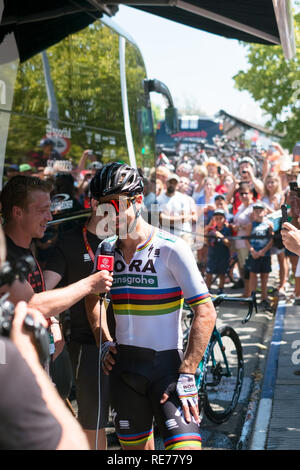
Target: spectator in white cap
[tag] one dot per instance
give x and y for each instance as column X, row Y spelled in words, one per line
column 162, row 174
column 212, row 168
column 185, row 170
column 247, row 174
column 172, row 208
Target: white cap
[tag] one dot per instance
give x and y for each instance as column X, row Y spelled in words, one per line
column 285, row 163
column 173, row 176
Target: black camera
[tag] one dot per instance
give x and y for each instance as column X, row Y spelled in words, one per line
column 294, row 187
column 10, row 272
column 294, row 199
column 284, row 214
column 16, row 270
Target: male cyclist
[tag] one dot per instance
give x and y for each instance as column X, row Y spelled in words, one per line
column 153, row 272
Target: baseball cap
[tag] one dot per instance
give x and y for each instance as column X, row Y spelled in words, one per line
column 258, row 205
column 211, row 161
column 247, row 160
column 220, row 196
column 95, row 166
column 173, row 176
column 285, row 163
column 219, row 212
column 25, row 167
column 46, row 141
column 13, row 167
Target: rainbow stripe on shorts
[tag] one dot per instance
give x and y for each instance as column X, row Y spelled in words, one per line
column 135, row 439
column 183, row 440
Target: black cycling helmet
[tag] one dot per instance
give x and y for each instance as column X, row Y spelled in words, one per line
column 116, row 178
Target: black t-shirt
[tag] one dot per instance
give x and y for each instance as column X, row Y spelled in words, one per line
column 70, row 259
column 25, row 421
column 14, row 253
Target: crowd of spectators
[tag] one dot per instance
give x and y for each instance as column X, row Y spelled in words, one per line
column 238, row 210
column 208, row 204
column 230, row 215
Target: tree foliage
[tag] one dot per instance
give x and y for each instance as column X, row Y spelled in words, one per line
column 274, row 83
column 85, row 73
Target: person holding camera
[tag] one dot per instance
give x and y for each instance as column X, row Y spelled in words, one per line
column 247, row 176
column 32, row 415
column 84, row 175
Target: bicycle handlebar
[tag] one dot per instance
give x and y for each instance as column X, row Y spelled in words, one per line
column 250, row 300
column 218, row 299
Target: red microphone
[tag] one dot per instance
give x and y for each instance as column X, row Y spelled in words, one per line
column 105, row 260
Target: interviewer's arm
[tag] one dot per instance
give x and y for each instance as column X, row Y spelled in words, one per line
column 53, row 302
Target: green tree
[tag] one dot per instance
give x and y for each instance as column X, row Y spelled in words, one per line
column 158, row 114
column 84, row 70
column 274, row 83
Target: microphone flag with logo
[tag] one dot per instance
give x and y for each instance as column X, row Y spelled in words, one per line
column 105, row 260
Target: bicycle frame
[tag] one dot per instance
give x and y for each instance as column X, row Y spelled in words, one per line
column 201, row 370
column 220, row 368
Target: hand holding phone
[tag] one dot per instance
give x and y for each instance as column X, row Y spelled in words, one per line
column 284, row 217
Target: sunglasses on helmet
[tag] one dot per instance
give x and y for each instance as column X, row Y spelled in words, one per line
column 120, row 204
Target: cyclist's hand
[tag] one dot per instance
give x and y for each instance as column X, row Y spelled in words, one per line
column 106, row 358
column 188, row 394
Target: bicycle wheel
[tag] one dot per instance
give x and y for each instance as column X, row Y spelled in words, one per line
column 224, row 375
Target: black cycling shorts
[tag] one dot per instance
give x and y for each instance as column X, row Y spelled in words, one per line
column 137, row 383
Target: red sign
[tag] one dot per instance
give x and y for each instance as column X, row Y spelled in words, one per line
column 184, row 134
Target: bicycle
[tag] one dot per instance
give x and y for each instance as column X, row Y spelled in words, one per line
column 219, row 376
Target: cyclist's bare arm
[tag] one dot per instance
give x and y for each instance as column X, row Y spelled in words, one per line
column 92, row 306
column 202, row 327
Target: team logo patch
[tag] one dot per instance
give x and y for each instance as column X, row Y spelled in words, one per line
column 136, row 280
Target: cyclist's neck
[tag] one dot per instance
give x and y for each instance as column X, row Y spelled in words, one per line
column 137, row 237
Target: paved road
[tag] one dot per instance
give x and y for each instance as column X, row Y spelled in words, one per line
column 254, row 336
